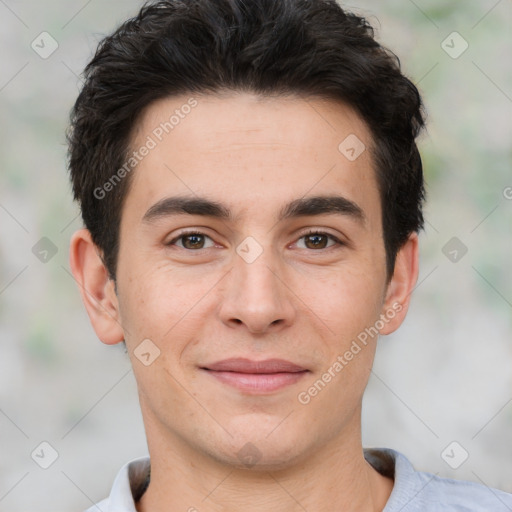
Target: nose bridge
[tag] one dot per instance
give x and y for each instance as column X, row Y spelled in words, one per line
column 256, row 295
column 254, row 270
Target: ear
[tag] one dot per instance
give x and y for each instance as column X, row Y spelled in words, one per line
column 400, row 287
column 97, row 290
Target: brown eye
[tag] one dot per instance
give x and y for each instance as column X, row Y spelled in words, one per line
column 319, row 240
column 316, row 241
column 191, row 240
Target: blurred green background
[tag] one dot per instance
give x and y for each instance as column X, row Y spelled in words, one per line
column 444, row 376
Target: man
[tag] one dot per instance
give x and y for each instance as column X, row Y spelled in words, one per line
column 252, row 195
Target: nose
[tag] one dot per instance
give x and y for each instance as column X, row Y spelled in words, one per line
column 257, row 296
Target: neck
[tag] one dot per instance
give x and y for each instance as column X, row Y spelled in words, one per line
column 183, row 478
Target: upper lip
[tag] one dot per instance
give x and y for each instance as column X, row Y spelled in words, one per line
column 243, row 365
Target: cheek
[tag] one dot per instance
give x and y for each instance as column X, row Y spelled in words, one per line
column 147, row 306
column 164, row 304
column 349, row 300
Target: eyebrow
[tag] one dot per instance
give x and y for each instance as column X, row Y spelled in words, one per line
column 305, row 206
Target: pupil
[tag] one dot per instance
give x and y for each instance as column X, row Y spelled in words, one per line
column 316, row 237
column 197, row 239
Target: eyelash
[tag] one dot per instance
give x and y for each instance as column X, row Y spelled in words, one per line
column 308, row 233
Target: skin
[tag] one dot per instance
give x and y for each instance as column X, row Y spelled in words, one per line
column 199, row 302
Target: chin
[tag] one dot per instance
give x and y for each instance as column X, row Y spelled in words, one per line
column 251, row 450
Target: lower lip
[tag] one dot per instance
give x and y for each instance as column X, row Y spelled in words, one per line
column 258, row 382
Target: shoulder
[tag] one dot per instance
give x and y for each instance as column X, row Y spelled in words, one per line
column 457, row 495
column 415, row 491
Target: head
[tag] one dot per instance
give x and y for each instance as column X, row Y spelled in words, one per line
column 305, row 48
column 246, row 122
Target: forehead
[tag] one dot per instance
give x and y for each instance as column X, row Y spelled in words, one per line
column 240, row 148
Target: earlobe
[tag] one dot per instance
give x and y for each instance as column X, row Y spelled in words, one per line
column 402, row 283
column 97, row 290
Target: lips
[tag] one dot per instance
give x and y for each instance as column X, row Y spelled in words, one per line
column 242, row 365
column 256, row 377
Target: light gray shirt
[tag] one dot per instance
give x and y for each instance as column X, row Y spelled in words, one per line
column 413, row 491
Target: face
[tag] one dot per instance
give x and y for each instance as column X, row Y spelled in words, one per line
column 246, row 265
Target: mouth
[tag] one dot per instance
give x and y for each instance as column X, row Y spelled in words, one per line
column 256, row 376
